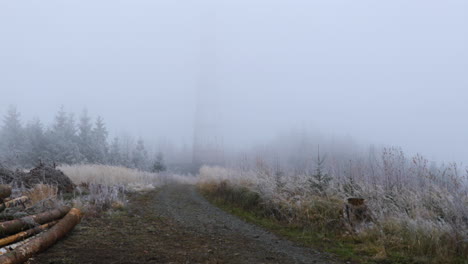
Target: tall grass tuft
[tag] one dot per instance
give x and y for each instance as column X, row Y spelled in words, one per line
column 419, row 212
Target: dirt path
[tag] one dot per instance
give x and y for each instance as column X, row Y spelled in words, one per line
column 174, row 225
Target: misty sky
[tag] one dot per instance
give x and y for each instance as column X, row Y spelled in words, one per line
column 385, row 72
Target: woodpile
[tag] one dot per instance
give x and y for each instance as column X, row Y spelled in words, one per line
column 42, row 174
column 24, row 237
column 20, row 201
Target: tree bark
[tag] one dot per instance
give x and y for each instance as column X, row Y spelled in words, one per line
column 44, row 240
column 15, row 226
column 13, row 203
column 22, row 235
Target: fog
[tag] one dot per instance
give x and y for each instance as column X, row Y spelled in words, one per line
column 381, row 72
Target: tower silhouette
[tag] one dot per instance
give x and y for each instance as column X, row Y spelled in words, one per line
column 208, row 145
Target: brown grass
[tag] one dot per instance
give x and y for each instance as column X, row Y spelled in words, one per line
column 407, row 228
column 41, row 192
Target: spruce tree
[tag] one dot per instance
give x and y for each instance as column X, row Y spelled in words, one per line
column 158, row 165
column 12, row 139
column 36, row 144
column 85, row 140
column 115, row 155
column 319, row 180
column 100, row 144
column 62, row 140
column 140, row 156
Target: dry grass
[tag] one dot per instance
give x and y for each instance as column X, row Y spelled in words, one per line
column 101, row 187
column 132, row 179
column 41, row 192
column 421, row 217
column 111, row 175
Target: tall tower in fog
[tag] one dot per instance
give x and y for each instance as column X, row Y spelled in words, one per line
column 208, row 145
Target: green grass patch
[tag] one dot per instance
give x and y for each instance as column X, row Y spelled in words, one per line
column 249, row 207
column 345, row 250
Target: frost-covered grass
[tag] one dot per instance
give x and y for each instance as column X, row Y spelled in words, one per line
column 420, row 212
column 104, row 186
column 111, row 175
column 101, row 187
column 132, row 179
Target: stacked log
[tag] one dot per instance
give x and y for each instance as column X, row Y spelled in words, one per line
column 25, row 234
column 18, row 225
column 44, row 240
column 22, row 238
column 14, row 203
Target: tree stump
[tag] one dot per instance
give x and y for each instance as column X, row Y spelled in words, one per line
column 357, row 214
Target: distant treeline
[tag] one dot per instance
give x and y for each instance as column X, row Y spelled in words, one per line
column 67, row 141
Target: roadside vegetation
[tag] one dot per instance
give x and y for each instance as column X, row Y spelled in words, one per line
column 416, row 213
column 92, row 188
column 102, row 187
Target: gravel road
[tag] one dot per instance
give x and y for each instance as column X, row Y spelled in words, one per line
column 175, row 224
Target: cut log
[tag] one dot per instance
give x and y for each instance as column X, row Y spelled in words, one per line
column 15, row 226
column 17, row 202
column 25, row 234
column 44, row 240
column 5, row 191
column 14, row 203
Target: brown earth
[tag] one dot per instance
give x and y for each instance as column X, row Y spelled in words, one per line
column 173, row 225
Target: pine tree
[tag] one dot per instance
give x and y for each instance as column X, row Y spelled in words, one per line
column 127, row 146
column 60, row 123
column 140, row 156
column 85, row 139
column 319, row 180
column 115, row 156
column 62, row 140
column 100, row 144
column 12, row 139
column 70, row 129
column 36, row 144
column 158, row 165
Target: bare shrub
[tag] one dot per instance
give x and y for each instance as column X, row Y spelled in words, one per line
column 418, row 209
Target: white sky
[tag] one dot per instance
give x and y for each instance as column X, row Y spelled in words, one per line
column 392, row 72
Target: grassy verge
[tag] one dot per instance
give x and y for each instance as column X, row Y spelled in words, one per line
column 302, row 236
column 250, row 207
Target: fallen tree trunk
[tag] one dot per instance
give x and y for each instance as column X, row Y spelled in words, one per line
column 25, row 234
column 5, row 191
column 15, row 226
column 13, row 203
column 43, row 241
